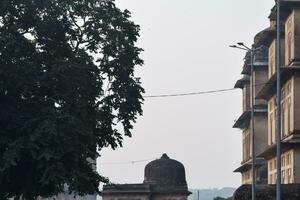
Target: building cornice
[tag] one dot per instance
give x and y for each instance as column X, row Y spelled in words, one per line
column 257, row 66
column 269, row 89
column 245, row 117
column 242, row 82
column 287, row 143
column 144, row 189
column 126, row 189
column 246, row 166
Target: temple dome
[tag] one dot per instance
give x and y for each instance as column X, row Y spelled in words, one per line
column 165, row 171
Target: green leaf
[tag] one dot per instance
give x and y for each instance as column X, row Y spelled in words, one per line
column 55, row 57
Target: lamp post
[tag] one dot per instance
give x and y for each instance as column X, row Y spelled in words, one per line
column 278, row 105
column 241, row 46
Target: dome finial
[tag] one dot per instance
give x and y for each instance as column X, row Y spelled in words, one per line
column 165, row 156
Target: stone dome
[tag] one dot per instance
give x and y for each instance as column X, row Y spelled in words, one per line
column 165, row 171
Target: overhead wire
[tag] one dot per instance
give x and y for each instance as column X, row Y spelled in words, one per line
column 126, row 162
column 194, row 93
column 173, row 95
column 189, row 94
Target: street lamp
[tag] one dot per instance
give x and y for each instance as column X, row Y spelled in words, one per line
column 278, row 103
column 240, row 45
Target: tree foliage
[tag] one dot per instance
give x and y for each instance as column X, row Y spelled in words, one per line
column 66, row 82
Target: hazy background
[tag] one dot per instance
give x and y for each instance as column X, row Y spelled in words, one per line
column 186, row 50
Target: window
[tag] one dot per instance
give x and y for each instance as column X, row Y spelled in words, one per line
column 289, row 48
column 271, row 121
column 286, row 111
column 289, row 175
column 289, row 26
column 246, row 145
column 272, row 171
column 287, row 118
column 246, row 97
column 289, row 159
column 286, row 168
column 272, row 63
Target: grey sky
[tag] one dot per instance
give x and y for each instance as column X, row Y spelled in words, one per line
column 186, row 50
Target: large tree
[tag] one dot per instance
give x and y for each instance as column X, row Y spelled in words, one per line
column 67, row 85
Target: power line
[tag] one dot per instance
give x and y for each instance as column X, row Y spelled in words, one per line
column 189, row 94
column 126, row 162
column 194, row 93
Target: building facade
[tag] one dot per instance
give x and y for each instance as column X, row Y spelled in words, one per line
column 290, row 100
column 164, row 180
column 264, row 77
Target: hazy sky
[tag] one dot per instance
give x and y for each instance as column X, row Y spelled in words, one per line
column 186, row 50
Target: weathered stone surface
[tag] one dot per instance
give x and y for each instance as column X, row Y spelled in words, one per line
column 165, row 171
column 267, row 192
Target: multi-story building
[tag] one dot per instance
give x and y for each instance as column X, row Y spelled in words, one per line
column 264, row 89
column 290, row 97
